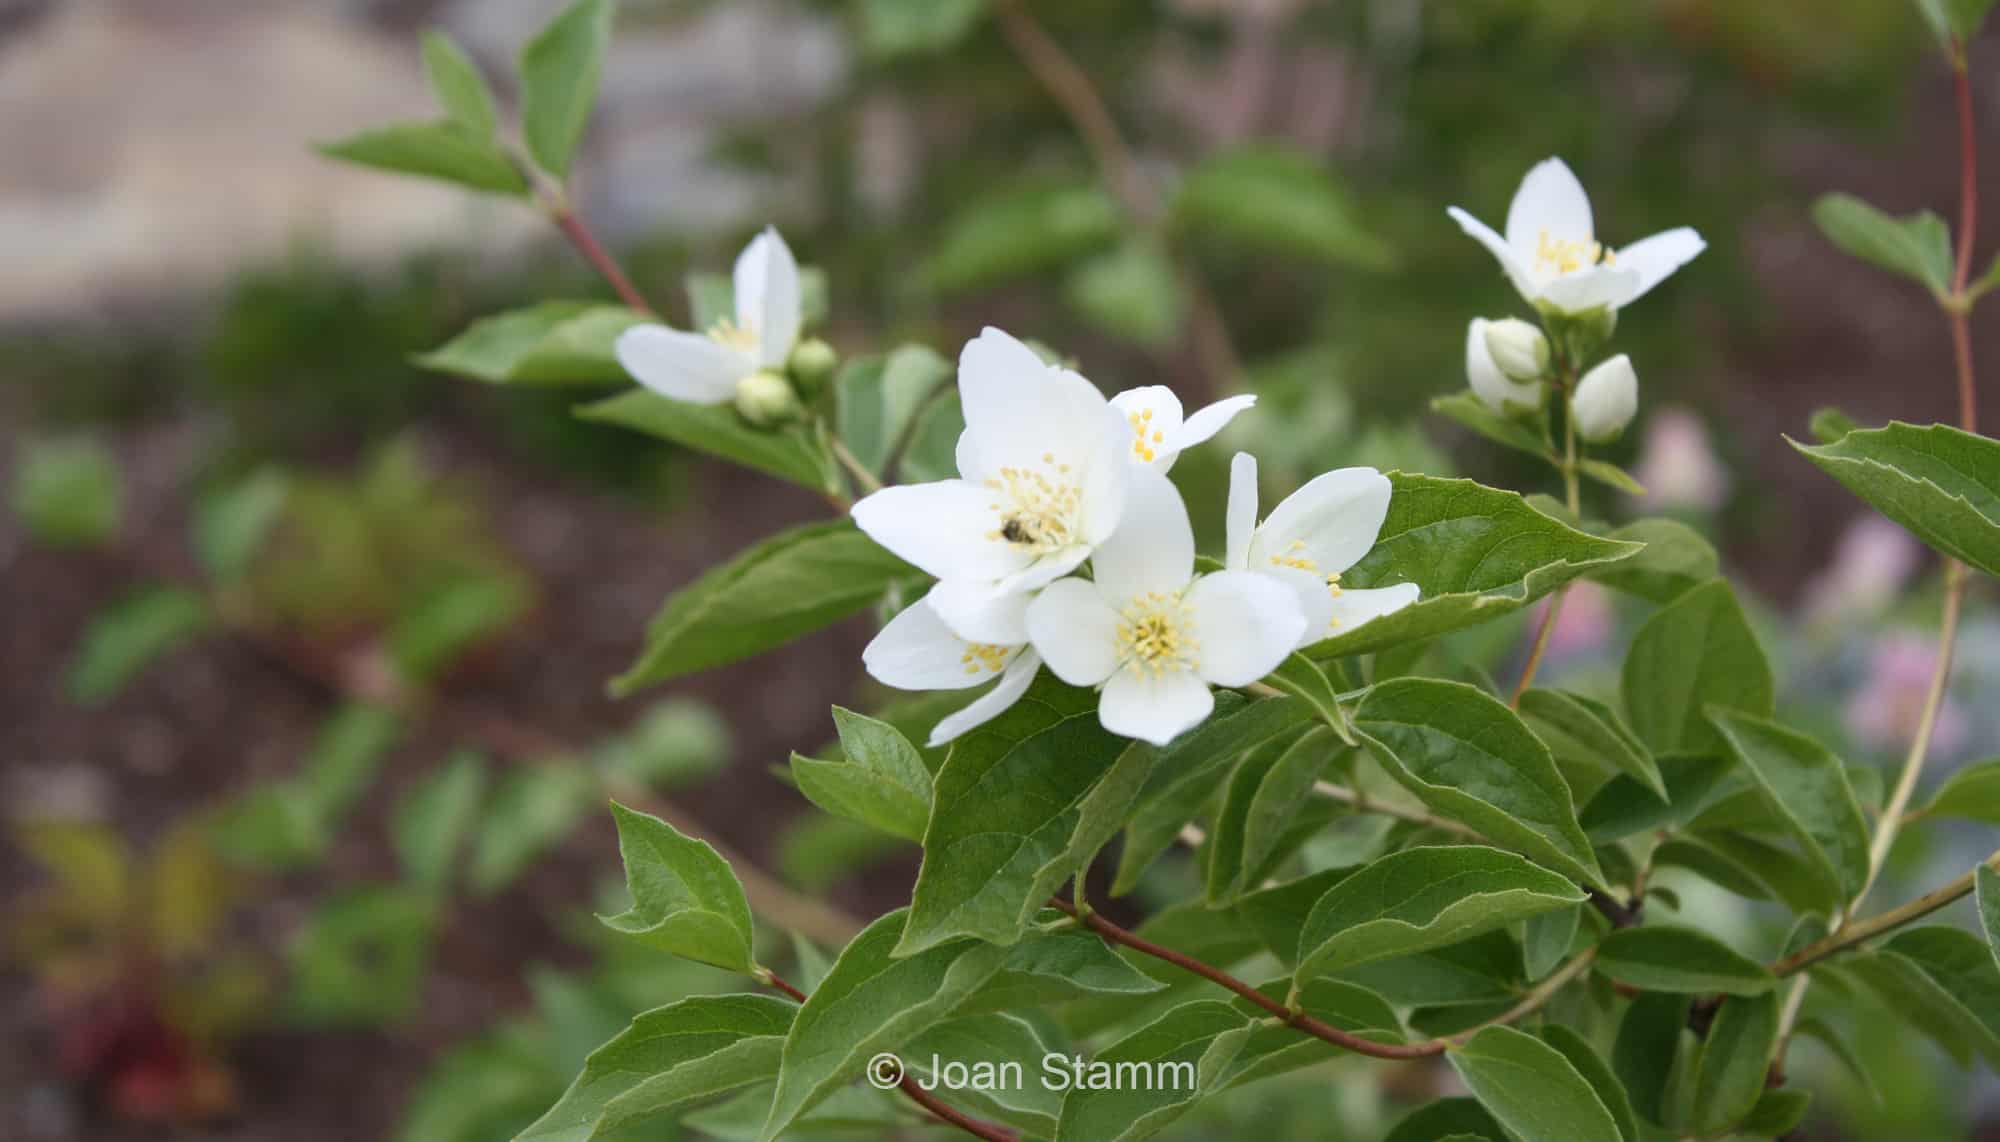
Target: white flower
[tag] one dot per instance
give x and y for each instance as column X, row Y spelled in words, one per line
column 1311, row 537
column 916, row 651
column 1605, row 400
column 1501, row 393
column 1519, row 348
column 705, row 368
column 1043, row 474
column 1158, row 432
column 1551, row 253
column 1154, row 634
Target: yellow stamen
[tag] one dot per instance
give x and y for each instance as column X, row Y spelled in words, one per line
column 1568, row 255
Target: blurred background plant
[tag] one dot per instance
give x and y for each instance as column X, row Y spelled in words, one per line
column 279, row 596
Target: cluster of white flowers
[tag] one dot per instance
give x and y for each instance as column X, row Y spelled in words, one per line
column 1051, row 476
column 1551, row 254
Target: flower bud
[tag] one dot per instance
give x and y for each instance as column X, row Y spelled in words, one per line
column 1518, row 348
column 1605, row 400
column 812, row 364
column 767, row 400
column 1501, row 393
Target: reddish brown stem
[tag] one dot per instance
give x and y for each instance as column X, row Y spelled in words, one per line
column 594, row 252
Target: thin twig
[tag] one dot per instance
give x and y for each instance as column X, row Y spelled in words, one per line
column 1853, row 934
column 594, row 252
column 1574, row 496
column 1365, row 804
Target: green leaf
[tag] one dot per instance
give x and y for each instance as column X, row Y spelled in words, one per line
column 531, row 811
column 444, row 150
column 1986, row 892
column 1938, row 481
column 361, row 957
column 1269, row 199
column 1611, row 475
column 231, row 523
column 1468, row 757
column 995, row 1040
column 1752, row 868
column 1302, row 678
column 1133, row 292
column 68, row 493
column 1447, row 1120
column 560, row 70
column 1623, row 805
column 1265, row 793
column 1734, row 1059
column 879, row 397
column 1423, row 898
column 1829, row 424
column 791, row 453
column 446, row 622
column 1662, row 957
column 1675, row 559
column 678, row 742
column 1477, row 553
column 1972, row 793
column 871, row 1001
column 551, row 343
column 1018, row 232
column 892, row 28
column 1546, row 939
column 345, row 755
column 1532, row 1089
column 123, row 639
column 432, row 820
column 1918, row 246
column 882, row 783
column 1642, row 1056
column 1694, row 652
column 1468, row 410
column 1808, row 788
column 1817, row 1030
column 932, row 452
column 685, row 898
column 789, row 585
column 1961, row 1008
column 1597, row 1073
column 1188, row 1048
column 1020, row 804
column 459, row 87
column 1048, row 968
column 1955, row 21
column 1574, row 725
column 1776, row 1113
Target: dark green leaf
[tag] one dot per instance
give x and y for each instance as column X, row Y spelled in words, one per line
column 1265, row 793
column 685, row 898
column 989, row 1041
column 1734, row 1058
column 1546, row 939
column 560, row 70
column 1577, row 726
column 550, row 343
column 444, row 150
column 1047, row 968
column 880, row 397
column 1938, row 481
column 1649, row 1037
column 1694, row 652
column 1986, row 890
column 1447, row 1120
column 1468, row 410
column 1777, row 1113
column 1277, row 201
column 122, row 640
column 1675, row 559
column 792, row 453
column 1197, row 1041
column 1597, row 1073
column 1918, row 246
column 1808, row 786
column 1971, row 793
column 1302, row 678
column 459, row 87
column 1532, row 1089
column 1660, row 957
column 1624, row 806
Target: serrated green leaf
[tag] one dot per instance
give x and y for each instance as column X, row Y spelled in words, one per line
column 1196, row 1040
column 1017, row 232
column 1467, row 756
column 1575, row 725
column 1971, row 793
column 685, row 898
column 1469, row 411
column 1264, row 795
column 1918, row 246
column 530, row 813
column 1597, row 1073
column 1423, row 898
column 1274, row 200
column 1675, row 559
column 871, row 1001
column 127, row 636
column 1047, row 968
column 443, row 150
column 1532, row 1089
column 68, row 493
column 668, row 1058
column 560, row 71
column 1476, row 553
column 1808, row 787
column 1694, row 652
column 1941, row 483
column 792, row 453
column 1735, row 1056
column 432, row 820
column 459, row 87
column 1021, row 802
column 1662, row 957
column 882, row 783
column 550, row 343
column 789, row 585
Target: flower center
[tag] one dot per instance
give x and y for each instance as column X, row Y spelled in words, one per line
column 1038, row 506
column 725, row 332
column 1568, row 255
column 1155, row 635
column 984, row 658
column 1146, row 439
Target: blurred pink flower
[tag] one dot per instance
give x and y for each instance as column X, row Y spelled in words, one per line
column 1885, row 712
column 1585, row 624
column 1872, row 561
column 1677, row 466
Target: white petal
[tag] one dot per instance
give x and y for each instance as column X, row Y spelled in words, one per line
column 1206, row 422
column 1153, row 548
column 1356, row 605
column 1332, row 520
column 1500, row 392
column 1075, row 631
column 986, row 612
column 1106, row 477
column 1517, row 271
column 966, row 454
column 767, row 296
column 916, row 651
column 684, row 366
column 1591, row 287
column 947, row 528
column 1153, row 417
column 1013, row 683
column 1019, row 409
column 1240, row 521
column 1314, row 597
column 1244, row 625
column 1153, row 709
column 1658, row 256
column 1551, row 201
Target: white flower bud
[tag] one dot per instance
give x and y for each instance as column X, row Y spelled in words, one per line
column 1501, row 393
column 1519, row 348
column 1605, row 400
column 767, row 400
